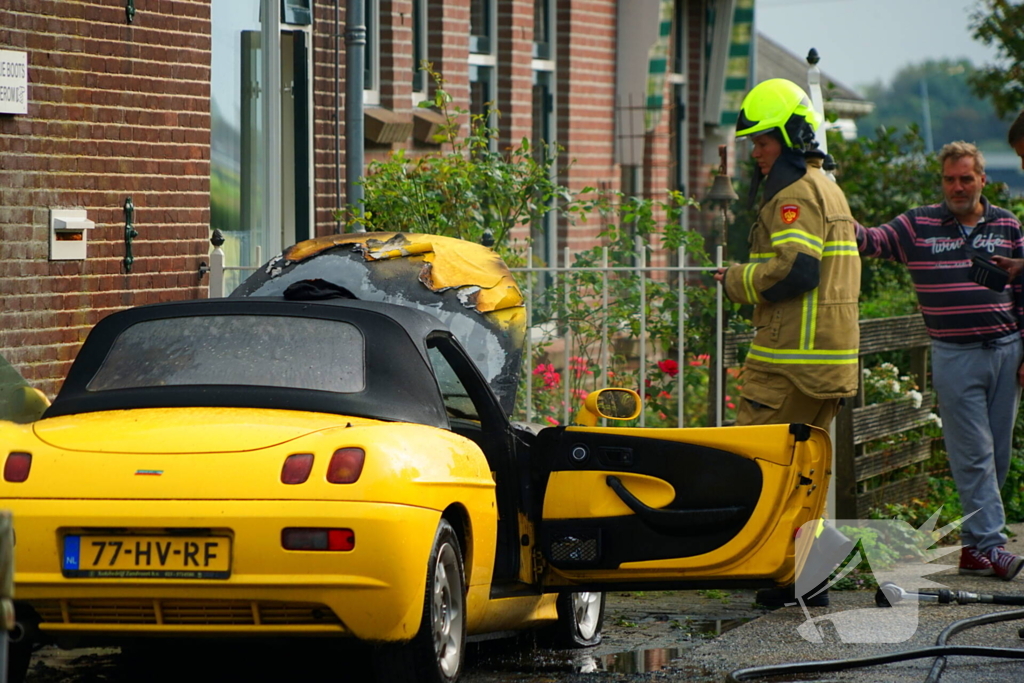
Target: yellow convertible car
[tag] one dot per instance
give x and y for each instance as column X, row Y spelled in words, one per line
column 328, row 453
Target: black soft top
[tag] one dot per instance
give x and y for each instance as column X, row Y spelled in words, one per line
column 399, row 386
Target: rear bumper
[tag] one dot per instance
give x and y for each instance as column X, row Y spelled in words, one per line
column 373, row 592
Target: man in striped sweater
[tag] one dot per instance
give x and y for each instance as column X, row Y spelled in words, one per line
column 976, row 341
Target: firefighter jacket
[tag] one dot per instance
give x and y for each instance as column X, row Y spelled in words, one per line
column 804, row 280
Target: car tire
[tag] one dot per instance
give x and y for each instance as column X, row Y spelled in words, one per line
column 580, row 617
column 436, row 653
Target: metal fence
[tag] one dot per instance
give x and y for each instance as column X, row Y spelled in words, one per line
column 559, row 278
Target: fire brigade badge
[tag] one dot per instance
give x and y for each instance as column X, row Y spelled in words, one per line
column 790, row 212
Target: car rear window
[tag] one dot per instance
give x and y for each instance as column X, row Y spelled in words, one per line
column 250, row 350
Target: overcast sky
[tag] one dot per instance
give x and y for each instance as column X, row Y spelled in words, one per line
column 863, row 41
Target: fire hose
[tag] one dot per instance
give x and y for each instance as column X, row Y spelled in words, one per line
column 890, row 594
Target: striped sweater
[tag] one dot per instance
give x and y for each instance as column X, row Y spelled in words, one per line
column 930, row 241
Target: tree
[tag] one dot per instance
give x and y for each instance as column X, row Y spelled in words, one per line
column 998, row 23
column 955, row 112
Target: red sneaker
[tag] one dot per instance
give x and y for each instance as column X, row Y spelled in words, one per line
column 973, row 562
column 1005, row 564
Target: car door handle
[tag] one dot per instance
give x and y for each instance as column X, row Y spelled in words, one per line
column 678, row 522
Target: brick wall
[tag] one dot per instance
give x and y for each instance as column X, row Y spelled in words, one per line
column 584, row 91
column 120, row 110
column 586, row 104
column 328, row 124
column 515, row 73
column 115, row 110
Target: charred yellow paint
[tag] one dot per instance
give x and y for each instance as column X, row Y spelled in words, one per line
column 466, row 285
column 453, row 263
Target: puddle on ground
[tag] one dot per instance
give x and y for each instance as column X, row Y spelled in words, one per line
column 499, row 656
column 656, row 659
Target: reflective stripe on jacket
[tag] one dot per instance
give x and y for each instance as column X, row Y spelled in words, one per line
column 804, row 280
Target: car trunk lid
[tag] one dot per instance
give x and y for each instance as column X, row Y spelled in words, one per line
column 183, row 430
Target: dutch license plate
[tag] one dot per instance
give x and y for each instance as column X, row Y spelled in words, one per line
column 147, row 557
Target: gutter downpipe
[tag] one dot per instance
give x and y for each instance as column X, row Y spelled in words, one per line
column 355, row 61
column 337, row 112
column 272, row 216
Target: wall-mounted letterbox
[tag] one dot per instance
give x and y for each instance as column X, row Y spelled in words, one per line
column 69, row 231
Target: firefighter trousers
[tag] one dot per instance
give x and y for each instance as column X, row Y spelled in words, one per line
column 769, row 398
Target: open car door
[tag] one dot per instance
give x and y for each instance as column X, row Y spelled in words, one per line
column 677, row 508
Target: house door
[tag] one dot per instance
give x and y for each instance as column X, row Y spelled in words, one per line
column 260, row 153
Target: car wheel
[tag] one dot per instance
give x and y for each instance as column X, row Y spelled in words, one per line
column 435, row 654
column 580, row 616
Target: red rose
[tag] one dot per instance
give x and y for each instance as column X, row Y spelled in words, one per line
column 669, row 367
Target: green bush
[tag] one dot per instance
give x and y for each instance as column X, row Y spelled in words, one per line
column 468, row 189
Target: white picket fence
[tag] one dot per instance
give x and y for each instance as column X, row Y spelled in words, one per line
column 559, row 282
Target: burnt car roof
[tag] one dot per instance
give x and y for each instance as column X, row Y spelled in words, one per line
column 400, row 385
column 466, row 285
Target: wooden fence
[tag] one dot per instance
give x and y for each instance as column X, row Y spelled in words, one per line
column 858, row 424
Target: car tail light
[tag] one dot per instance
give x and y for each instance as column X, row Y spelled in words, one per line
column 346, row 465
column 18, row 465
column 338, row 540
column 296, row 468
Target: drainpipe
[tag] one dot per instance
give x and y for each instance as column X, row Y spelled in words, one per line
column 355, row 60
column 271, row 63
column 337, row 111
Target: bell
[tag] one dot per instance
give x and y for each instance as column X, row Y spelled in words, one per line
column 721, row 190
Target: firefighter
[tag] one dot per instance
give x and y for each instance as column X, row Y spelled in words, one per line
column 803, row 277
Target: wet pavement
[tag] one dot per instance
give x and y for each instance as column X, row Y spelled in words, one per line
column 848, row 626
column 645, row 633
column 672, row 636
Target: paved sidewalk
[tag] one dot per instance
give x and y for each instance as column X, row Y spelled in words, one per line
column 775, row 639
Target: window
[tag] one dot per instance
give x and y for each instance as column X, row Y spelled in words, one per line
column 248, row 350
column 482, row 26
column 419, row 48
column 260, row 143
column 481, row 89
column 543, row 29
column 297, row 12
column 483, row 62
column 482, row 96
column 678, row 144
column 542, row 142
column 457, row 400
column 371, row 65
column 679, row 38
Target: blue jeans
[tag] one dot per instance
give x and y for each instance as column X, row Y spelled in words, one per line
column 978, row 395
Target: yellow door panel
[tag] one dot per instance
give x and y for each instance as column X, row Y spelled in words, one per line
column 671, row 506
column 751, row 442
column 586, row 494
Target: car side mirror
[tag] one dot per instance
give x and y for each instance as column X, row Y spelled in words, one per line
column 23, row 404
column 614, row 404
